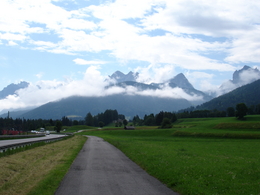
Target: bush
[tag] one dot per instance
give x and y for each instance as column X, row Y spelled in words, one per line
column 166, row 123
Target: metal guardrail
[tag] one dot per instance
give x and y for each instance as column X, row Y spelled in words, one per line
column 21, row 145
column 21, row 136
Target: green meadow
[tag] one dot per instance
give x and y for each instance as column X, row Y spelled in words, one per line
column 196, row 156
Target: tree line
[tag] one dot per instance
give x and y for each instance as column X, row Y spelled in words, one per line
column 163, row 119
column 104, row 118
column 24, row 124
column 239, row 111
column 19, row 124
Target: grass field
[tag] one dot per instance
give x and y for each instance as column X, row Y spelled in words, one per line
column 38, row 170
column 196, row 164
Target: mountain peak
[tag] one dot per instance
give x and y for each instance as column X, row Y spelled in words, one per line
column 121, row 77
column 181, row 81
column 246, row 67
column 237, row 74
column 12, row 88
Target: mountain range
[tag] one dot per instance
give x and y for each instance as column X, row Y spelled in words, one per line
column 240, row 77
column 12, row 89
column 139, row 103
column 248, row 94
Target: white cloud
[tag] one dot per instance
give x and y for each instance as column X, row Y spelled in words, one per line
column 12, row 43
column 80, row 61
column 122, row 9
column 192, row 32
column 249, row 76
column 12, row 37
column 155, row 74
column 128, row 41
column 39, row 75
column 245, row 47
column 92, row 84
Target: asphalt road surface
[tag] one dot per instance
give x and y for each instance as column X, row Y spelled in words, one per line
column 26, row 140
column 102, row 169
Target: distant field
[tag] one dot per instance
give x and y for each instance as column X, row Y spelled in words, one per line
column 196, row 164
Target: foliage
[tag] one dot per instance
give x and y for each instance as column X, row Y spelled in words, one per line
column 241, row 110
column 89, row 119
column 166, row 123
column 200, row 113
column 230, row 112
column 152, row 120
column 101, row 124
column 125, row 122
column 107, row 117
column 58, row 126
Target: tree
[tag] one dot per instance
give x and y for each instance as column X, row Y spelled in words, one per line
column 65, row 121
column 149, row 120
column 241, row 110
column 166, row 123
column 101, row 124
column 125, row 122
column 89, row 119
column 174, row 117
column 159, row 118
column 136, row 120
column 230, row 111
column 75, row 122
column 58, row 126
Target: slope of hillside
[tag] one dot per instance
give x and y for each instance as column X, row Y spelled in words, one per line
column 124, row 104
column 248, row 94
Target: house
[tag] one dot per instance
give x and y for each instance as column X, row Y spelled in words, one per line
column 129, row 128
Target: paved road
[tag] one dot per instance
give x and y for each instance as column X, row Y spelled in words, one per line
column 102, row 169
column 25, row 140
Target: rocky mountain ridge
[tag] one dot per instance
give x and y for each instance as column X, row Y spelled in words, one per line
column 241, row 77
column 12, row 89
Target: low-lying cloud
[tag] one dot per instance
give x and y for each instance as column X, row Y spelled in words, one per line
column 92, row 84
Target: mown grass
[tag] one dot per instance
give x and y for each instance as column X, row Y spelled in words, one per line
column 38, row 170
column 196, row 165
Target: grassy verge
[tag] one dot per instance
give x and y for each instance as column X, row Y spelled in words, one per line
column 39, row 170
column 195, row 165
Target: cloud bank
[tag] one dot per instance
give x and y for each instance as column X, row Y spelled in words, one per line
column 158, row 39
column 92, row 84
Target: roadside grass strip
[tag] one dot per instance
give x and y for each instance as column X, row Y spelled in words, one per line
column 38, row 170
column 30, row 146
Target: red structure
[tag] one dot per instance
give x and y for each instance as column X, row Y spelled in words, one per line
column 11, row 132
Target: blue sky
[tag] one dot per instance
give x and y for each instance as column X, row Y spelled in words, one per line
column 61, row 42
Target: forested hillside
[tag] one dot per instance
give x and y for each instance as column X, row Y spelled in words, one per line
column 248, row 94
column 129, row 105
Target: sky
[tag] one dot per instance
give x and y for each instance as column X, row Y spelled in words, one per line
column 68, row 47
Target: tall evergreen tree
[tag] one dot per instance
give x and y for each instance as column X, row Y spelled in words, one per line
column 89, row 119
